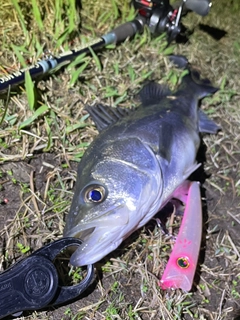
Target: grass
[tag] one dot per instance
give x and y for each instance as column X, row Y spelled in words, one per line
column 45, row 131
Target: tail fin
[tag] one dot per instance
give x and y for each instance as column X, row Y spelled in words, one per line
column 192, row 82
column 194, row 85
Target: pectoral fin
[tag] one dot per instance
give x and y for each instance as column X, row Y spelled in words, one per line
column 165, row 141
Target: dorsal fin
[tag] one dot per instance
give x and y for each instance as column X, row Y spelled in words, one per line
column 104, row 115
column 152, row 93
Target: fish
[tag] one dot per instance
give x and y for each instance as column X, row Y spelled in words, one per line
column 136, row 164
column 181, row 267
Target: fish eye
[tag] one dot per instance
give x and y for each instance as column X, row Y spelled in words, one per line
column 95, row 194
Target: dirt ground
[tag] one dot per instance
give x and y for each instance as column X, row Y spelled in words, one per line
column 38, row 170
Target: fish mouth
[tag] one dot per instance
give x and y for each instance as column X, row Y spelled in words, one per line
column 100, row 237
column 85, row 233
column 97, row 243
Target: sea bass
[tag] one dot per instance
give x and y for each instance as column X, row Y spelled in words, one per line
column 135, row 165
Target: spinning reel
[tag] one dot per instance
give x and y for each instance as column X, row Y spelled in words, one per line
column 162, row 17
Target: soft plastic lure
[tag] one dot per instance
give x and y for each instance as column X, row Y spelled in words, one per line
column 181, row 267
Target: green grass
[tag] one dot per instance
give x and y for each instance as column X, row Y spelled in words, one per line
column 44, row 132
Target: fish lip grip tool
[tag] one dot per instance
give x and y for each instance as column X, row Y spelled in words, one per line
column 33, row 282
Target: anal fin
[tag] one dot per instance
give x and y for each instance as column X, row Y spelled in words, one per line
column 207, row 125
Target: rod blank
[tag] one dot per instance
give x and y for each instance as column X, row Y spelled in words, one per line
column 119, row 34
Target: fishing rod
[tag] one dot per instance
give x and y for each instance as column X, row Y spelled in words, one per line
column 158, row 15
column 42, row 67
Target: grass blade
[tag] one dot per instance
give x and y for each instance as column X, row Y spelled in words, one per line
column 39, row 112
column 29, row 86
column 21, row 17
column 37, row 15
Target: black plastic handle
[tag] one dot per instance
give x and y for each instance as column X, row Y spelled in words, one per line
column 30, row 284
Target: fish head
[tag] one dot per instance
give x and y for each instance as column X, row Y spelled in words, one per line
column 111, row 198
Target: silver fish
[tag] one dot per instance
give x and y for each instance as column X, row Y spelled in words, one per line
column 135, row 165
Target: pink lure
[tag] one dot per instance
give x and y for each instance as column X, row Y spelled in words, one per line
column 181, row 267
